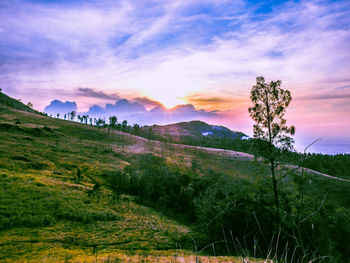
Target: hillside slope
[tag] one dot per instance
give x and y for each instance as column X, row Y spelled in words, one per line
column 194, row 130
column 55, row 203
column 15, row 104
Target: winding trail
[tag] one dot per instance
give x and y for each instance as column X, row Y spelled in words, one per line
column 137, row 148
column 310, row 171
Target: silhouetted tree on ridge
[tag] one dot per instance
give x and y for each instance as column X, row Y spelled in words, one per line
column 72, row 115
column 124, row 125
column 113, row 122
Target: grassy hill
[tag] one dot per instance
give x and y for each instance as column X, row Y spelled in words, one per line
column 15, row 104
column 197, row 133
column 50, row 209
column 194, row 129
column 47, row 212
column 72, row 192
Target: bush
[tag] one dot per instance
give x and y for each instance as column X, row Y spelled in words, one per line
column 308, row 224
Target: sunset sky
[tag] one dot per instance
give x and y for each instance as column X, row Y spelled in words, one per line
column 206, row 52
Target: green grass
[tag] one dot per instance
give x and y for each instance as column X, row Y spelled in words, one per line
column 49, row 213
column 13, row 103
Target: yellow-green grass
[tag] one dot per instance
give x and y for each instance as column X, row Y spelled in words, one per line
column 182, row 156
column 39, row 216
column 46, row 211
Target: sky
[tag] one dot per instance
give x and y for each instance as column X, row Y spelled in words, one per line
column 207, row 53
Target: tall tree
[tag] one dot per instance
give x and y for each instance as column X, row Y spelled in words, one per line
column 270, row 103
column 124, row 125
column 100, row 122
column 72, row 115
column 113, row 122
column 86, row 118
column 136, row 129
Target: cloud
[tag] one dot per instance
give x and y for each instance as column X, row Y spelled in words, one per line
column 57, row 106
column 172, row 48
column 325, row 96
column 199, row 99
column 147, row 102
column 339, row 93
column 335, row 80
column 121, row 107
column 168, row 50
column 212, row 101
column 125, row 106
column 161, row 115
column 88, row 92
column 96, row 110
column 347, row 87
column 135, row 112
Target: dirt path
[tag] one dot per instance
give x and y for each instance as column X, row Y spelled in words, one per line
column 310, row 171
column 228, row 153
column 141, row 144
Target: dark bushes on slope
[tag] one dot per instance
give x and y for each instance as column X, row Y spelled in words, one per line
column 241, row 212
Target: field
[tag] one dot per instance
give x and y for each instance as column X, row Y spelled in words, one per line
column 57, row 204
column 49, row 211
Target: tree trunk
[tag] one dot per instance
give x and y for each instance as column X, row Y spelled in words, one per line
column 274, row 182
column 271, row 157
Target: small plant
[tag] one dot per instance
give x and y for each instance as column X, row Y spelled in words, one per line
column 78, row 174
column 95, row 192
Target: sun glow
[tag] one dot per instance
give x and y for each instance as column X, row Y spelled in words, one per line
column 169, row 101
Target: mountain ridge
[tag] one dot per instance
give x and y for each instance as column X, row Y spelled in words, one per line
column 196, row 128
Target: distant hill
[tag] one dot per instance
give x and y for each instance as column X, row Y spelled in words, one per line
column 195, row 129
